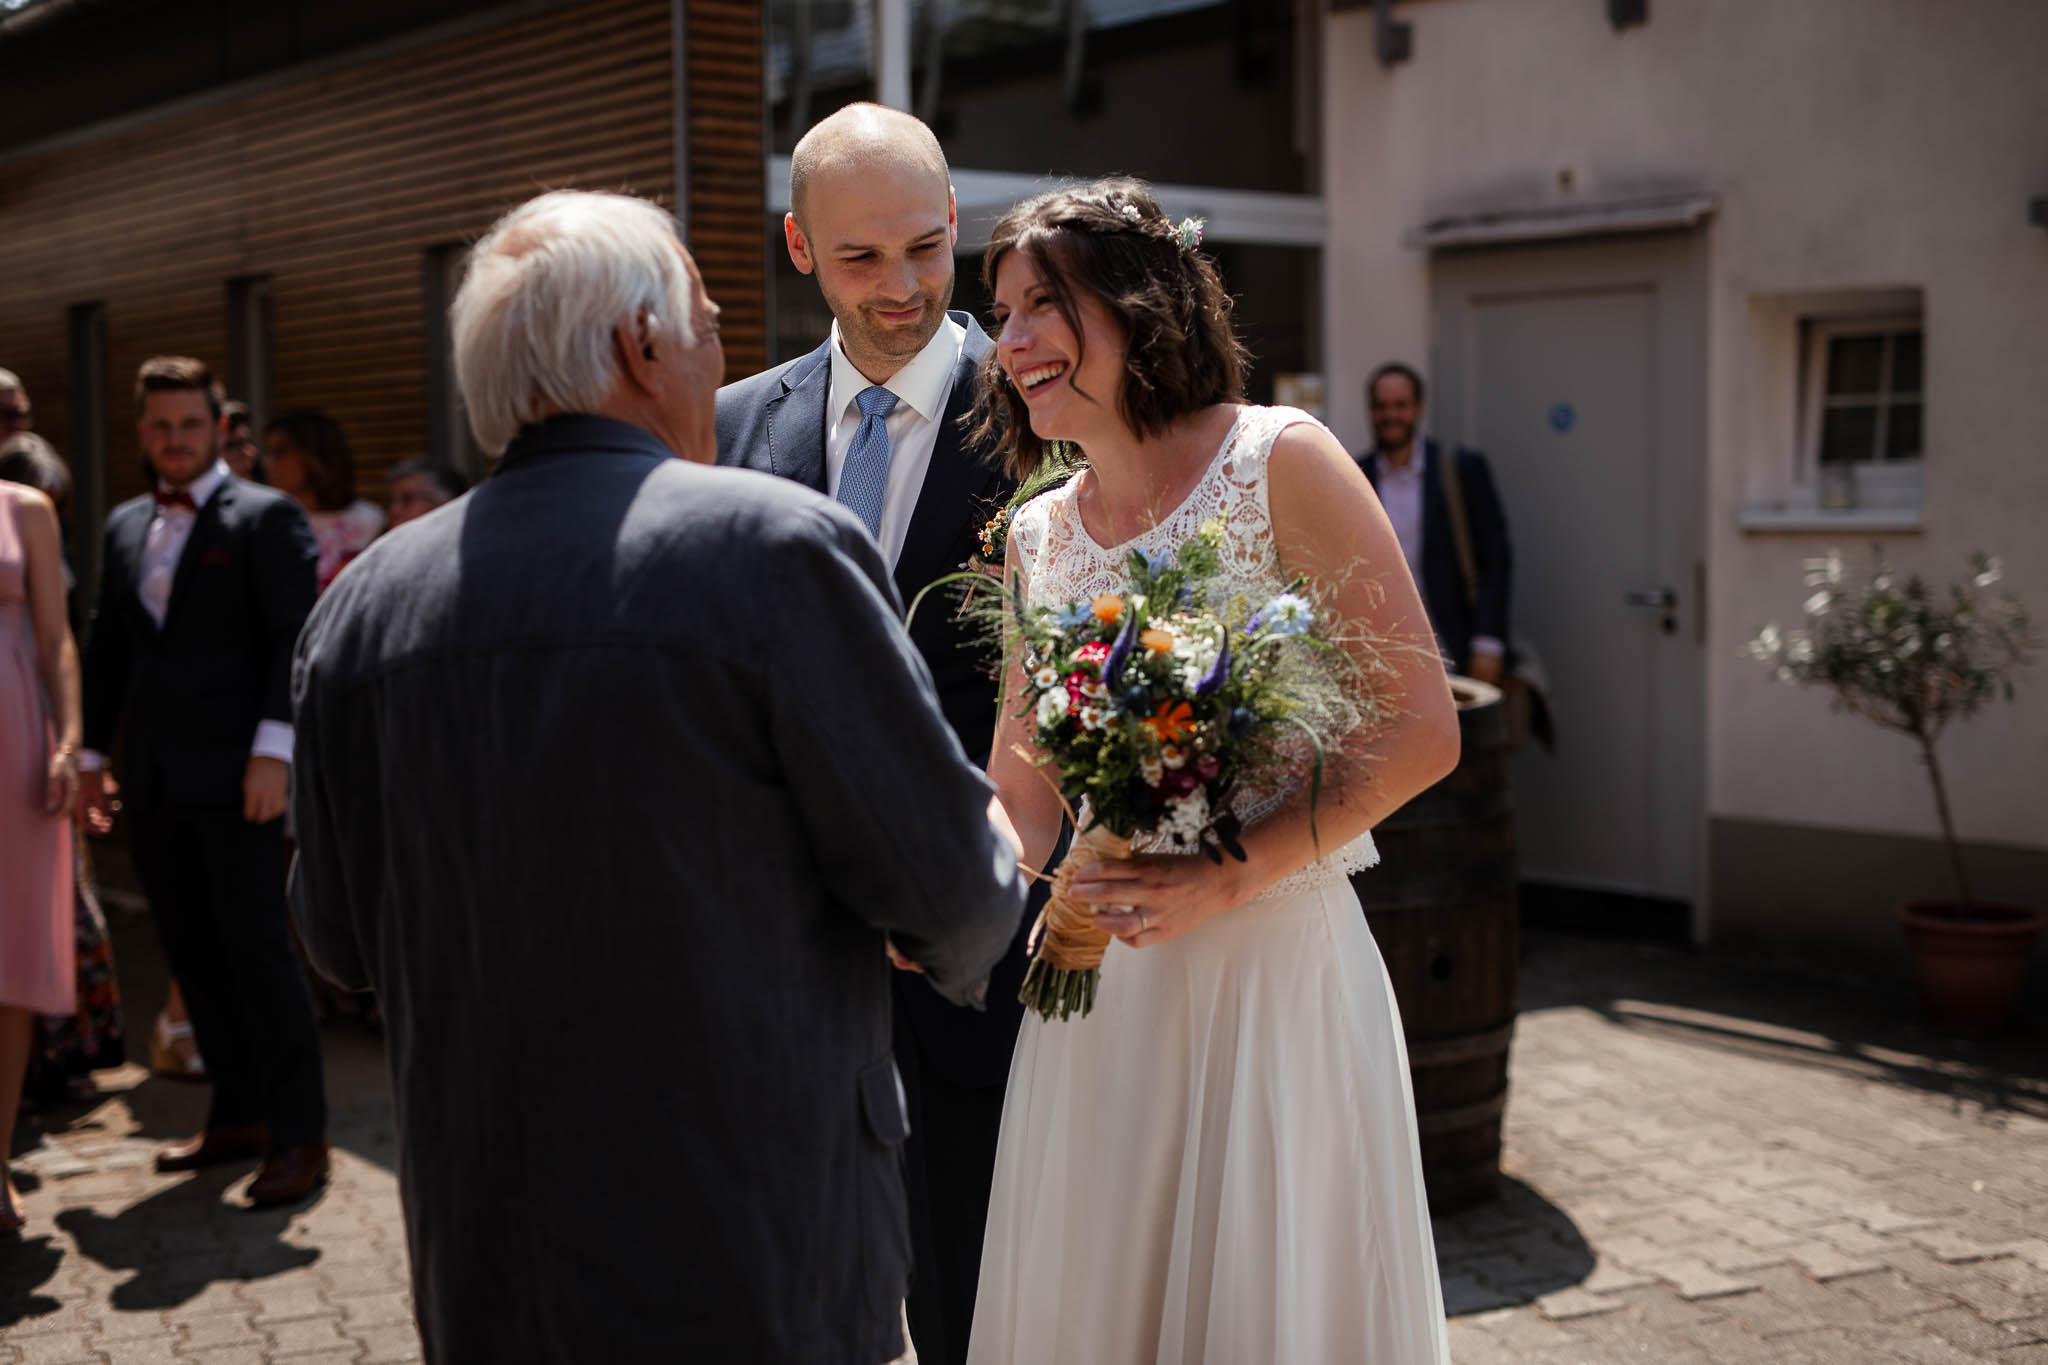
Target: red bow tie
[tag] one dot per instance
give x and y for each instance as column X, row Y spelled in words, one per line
column 180, row 498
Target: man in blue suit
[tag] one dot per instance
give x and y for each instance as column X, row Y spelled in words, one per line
column 872, row 418
column 1451, row 528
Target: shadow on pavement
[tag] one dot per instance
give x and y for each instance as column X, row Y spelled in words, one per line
column 25, row 1268
column 1848, row 1017
column 184, row 1238
column 1509, row 1252
column 161, row 1108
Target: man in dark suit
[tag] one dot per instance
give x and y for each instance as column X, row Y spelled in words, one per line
column 205, row 583
column 872, row 419
column 1467, row 587
column 613, row 776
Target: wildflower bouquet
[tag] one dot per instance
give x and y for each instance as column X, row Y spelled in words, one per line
column 1153, row 703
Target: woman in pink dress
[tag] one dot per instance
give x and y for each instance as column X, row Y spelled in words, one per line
column 39, row 734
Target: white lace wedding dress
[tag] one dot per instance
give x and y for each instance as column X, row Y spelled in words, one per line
column 1219, row 1163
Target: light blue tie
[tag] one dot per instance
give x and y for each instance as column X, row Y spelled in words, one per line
column 864, row 478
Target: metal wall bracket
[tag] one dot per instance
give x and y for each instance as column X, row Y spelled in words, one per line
column 1626, row 13
column 1393, row 40
column 2037, row 212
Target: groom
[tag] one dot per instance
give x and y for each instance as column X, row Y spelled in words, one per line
column 872, row 419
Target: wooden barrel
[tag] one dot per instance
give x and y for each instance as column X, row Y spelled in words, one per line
column 1442, row 906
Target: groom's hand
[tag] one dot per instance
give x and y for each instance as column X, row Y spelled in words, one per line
column 899, row 961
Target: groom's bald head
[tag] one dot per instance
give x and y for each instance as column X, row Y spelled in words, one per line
column 860, row 141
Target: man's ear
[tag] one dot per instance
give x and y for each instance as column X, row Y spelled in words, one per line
column 634, row 343
column 952, row 217
column 799, row 245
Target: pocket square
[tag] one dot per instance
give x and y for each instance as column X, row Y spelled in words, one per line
column 216, row 555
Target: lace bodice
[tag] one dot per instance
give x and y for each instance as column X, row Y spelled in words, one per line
column 1062, row 563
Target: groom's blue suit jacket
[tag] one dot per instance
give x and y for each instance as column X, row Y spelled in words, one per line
column 775, row 422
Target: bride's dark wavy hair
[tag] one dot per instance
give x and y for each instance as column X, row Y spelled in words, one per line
column 1109, row 237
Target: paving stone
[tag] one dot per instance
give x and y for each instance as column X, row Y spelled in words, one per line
column 219, row 1329
column 1963, row 1328
column 304, row 1335
column 1889, row 1293
column 1826, row 1261
column 157, row 1351
column 375, row 1310
column 1609, row 1278
column 54, row 1348
column 388, row 1345
column 1568, row 1304
column 285, row 1298
column 1695, row 1279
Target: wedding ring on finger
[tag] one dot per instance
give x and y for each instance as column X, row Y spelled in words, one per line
column 1142, row 924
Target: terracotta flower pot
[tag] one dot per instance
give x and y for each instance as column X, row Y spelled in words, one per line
column 1971, row 961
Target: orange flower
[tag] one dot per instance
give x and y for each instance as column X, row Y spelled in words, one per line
column 1108, row 607
column 1157, row 640
column 1172, row 721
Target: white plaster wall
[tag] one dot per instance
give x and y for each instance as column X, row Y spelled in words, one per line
column 1854, row 144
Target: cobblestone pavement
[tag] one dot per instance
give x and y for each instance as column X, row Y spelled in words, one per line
column 1718, row 1160
column 1708, row 1160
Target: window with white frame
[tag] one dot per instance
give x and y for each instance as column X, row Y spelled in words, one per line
column 1863, row 411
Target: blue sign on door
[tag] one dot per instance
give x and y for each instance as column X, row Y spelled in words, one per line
column 1563, row 417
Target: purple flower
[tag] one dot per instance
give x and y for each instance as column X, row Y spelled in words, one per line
column 1113, row 667
column 1218, row 671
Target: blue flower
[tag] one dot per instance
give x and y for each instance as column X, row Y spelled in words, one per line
column 1157, row 562
column 1073, row 614
column 1287, row 614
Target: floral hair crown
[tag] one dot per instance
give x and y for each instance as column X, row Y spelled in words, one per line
column 1187, row 234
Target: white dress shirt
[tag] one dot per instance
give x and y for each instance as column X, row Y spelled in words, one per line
column 162, row 548
column 922, row 389
column 1401, row 494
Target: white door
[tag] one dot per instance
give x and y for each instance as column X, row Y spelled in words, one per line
column 1578, row 369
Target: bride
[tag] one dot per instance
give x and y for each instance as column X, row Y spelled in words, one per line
column 1219, row 1163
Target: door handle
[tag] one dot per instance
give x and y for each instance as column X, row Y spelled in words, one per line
column 1657, row 599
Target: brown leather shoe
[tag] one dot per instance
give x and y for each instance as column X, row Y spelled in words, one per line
column 235, row 1142
column 290, row 1174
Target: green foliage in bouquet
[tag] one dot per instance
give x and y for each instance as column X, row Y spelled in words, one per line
column 1154, row 704
column 1905, row 656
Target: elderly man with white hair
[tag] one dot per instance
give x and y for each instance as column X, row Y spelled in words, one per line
column 613, row 779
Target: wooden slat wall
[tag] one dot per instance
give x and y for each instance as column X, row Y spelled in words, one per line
column 727, row 151
column 336, row 186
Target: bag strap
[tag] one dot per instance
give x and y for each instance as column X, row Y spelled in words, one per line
column 1461, row 529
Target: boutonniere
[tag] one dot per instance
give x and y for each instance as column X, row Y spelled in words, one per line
column 1062, row 461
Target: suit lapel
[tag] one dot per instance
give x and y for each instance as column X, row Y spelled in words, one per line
column 206, row 533
column 957, row 480
column 796, row 420
column 130, row 538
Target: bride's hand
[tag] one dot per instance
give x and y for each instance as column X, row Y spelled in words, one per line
column 1155, row 898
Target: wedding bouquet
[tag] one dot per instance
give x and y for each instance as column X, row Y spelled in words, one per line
column 1153, row 704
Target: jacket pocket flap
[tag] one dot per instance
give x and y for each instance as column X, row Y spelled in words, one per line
column 882, row 1101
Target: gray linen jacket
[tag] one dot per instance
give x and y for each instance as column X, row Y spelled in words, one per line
column 610, row 778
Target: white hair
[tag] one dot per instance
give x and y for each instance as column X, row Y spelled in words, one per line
column 546, row 287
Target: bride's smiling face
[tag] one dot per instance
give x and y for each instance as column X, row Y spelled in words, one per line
column 1069, row 379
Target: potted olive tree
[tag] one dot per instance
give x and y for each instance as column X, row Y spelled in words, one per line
column 1912, row 659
